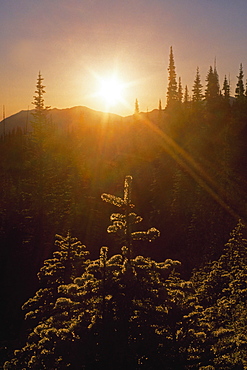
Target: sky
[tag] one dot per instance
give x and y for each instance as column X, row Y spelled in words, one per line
column 77, row 43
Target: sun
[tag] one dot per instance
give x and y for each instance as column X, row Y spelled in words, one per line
column 111, row 90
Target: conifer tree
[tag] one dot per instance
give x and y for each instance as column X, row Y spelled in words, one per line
column 39, row 121
column 222, row 290
column 212, row 87
column 41, row 163
column 226, row 89
column 122, row 223
column 239, row 91
column 66, row 263
column 172, row 91
column 186, row 95
column 160, row 105
column 137, row 110
column 180, row 91
column 118, row 312
column 197, row 94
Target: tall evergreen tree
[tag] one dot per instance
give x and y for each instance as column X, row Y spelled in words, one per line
column 160, row 105
column 239, row 91
column 137, row 109
column 197, row 94
column 212, row 87
column 40, row 110
column 212, row 92
column 186, row 95
column 180, row 90
column 226, row 89
column 172, row 91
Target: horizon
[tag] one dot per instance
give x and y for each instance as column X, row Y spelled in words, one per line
column 77, row 45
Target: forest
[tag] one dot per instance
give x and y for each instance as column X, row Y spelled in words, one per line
column 123, row 239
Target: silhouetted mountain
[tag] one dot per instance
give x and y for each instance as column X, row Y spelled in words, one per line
column 61, row 118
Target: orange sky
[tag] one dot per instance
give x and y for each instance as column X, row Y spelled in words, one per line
column 72, row 41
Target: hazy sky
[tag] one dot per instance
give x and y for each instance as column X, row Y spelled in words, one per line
column 73, row 41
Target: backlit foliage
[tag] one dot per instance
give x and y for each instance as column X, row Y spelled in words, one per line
column 222, row 290
column 122, row 223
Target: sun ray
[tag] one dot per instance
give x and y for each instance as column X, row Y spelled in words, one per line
column 194, row 168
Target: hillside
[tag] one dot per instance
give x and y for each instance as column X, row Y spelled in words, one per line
column 189, row 182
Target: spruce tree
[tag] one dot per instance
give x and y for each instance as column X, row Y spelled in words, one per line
column 197, row 95
column 180, row 91
column 172, row 91
column 39, row 121
column 118, row 312
column 66, row 263
column 122, row 223
column 212, row 92
column 160, row 105
column 186, row 96
column 226, row 89
column 222, row 291
column 137, row 110
column 239, row 91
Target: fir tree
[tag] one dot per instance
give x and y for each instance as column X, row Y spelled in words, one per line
column 226, row 89
column 66, row 263
column 186, row 95
column 119, row 312
column 222, row 290
column 39, row 121
column 180, row 91
column 160, row 105
column 122, row 223
column 239, row 91
column 197, row 95
column 212, row 92
column 137, row 110
column 172, row 91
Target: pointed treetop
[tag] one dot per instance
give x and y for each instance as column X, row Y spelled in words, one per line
column 137, row 110
column 123, row 222
column 172, row 92
column 239, row 92
column 197, row 94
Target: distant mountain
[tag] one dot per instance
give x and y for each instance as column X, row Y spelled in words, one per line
column 61, row 118
column 67, row 118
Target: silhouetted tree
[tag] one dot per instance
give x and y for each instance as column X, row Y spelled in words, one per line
column 180, row 91
column 239, row 91
column 226, row 89
column 137, row 110
column 186, row 95
column 172, row 91
column 197, row 95
column 160, row 105
column 39, row 121
column 212, row 87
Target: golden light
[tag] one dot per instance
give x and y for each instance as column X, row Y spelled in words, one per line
column 111, row 90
